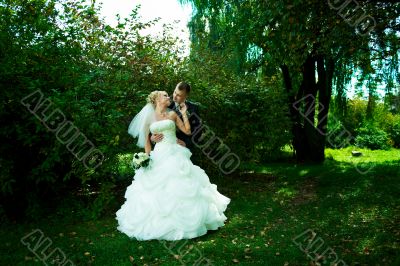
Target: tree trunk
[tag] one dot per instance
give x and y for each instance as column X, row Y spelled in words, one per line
column 371, row 102
column 297, row 129
column 313, row 138
column 308, row 138
column 325, row 75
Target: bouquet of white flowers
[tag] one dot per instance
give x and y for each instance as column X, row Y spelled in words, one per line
column 140, row 159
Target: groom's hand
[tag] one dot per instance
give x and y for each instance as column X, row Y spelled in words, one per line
column 156, row 137
column 181, row 142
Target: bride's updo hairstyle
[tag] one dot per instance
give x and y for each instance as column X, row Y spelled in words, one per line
column 152, row 97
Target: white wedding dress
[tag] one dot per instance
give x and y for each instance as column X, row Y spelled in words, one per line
column 171, row 199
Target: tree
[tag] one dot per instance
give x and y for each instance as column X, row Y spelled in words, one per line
column 315, row 46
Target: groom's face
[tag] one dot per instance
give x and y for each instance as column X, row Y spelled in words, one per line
column 179, row 96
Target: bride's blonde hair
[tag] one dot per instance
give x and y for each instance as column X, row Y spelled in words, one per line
column 152, row 97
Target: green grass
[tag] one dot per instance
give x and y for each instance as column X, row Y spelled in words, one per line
column 352, row 204
column 374, row 156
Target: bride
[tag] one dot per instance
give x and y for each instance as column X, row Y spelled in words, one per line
column 172, row 198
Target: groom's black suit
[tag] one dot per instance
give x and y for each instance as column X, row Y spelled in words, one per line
column 194, row 120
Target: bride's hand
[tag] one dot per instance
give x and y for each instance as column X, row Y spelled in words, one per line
column 181, row 142
column 183, row 108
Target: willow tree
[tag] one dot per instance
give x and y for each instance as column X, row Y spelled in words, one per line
column 315, row 46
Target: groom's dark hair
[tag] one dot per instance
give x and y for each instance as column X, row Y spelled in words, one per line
column 183, row 86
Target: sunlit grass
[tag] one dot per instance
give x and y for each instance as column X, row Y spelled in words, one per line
column 375, row 156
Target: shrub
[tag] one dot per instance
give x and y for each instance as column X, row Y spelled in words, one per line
column 390, row 123
column 372, row 138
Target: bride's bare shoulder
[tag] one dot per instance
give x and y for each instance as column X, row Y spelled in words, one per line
column 172, row 114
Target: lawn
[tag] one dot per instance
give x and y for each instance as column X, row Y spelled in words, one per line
column 346, row 209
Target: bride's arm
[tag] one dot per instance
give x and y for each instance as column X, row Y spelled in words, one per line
column 147, row 146
column 183, row 126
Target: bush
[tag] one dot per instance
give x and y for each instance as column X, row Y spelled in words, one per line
column 394, row 131
column 372, row 138
column 355, row 115
column 391, row 125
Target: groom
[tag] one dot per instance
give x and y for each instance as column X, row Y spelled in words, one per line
column 180, row 96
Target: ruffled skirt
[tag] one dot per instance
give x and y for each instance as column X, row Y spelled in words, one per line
column 172, row 199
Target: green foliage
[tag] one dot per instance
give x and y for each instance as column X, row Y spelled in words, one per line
column 248, row 113
column 372, row 137
column 337, row 134
column 381, row 126
column 300, row 38
column 394, row 130
column 390, row 123
column 286, row 32
column 355, row 115
column 95, row 74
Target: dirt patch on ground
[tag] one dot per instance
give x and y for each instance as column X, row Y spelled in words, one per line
column 261, row 177
column 307, row 192
column 256, row 182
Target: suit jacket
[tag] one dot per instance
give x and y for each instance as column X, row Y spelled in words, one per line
column 194, row 120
